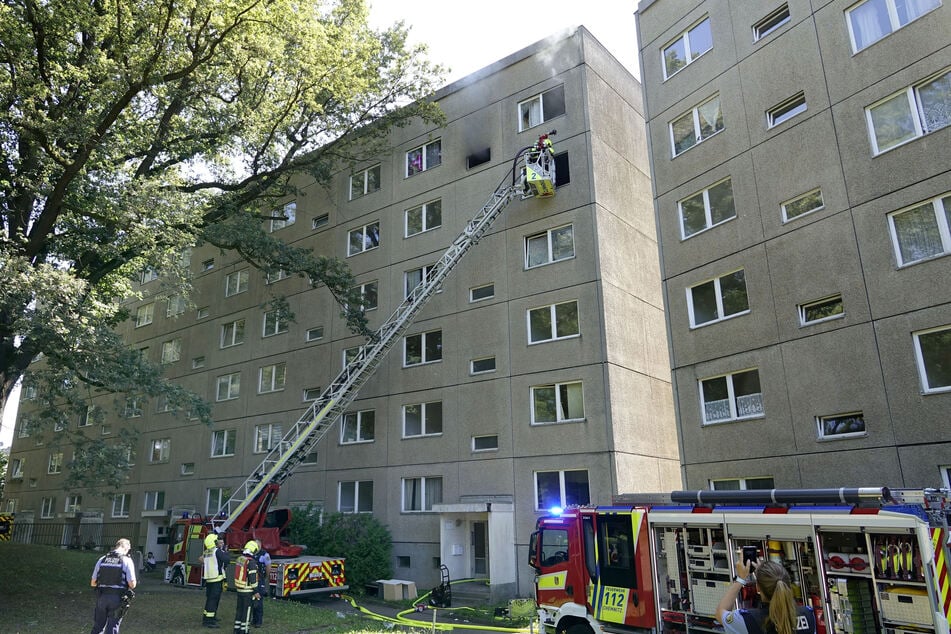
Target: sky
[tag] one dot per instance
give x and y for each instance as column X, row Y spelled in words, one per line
column 468, row 36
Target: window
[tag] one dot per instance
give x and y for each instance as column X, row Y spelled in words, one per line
column 216, row 499
column 802, row 205
column 422, row 348
column 420, row 494
column 148, row 275
column 349, row 354
column 485, row 443
column 841, row 426
column 355, row 497
column 11, row 505
column 188, row 468
column 821, row 310
column 153, row 501
column 73, row 504
column 133, row 407
column 16, row 468
column 318, row 222
column 478, row 158
column 272, row 378
column 267, row 437
column 311, row 394
column 706, row 209
column 365, row 182
column 688, row 46
column 478, row 293
column 86, row 418
column 562, row 169
column 771, row 22
column 786, row 110
column 313, row 334
column 144, row 315
column 275, row 323
column 426, row 217
column 232, row 333
column 160, row 450
column 558, row 321
column 223, row 442
column 356, row 427
column 541, row 108
column 175, row 305
column 229, row 386
column 55, row 464
column 910, row 113
column 272, row 277
column 47, row 507
column 172, row 350
column 479, row 366
column 415, row 277
column 742, row 484
column 369, row 291
column 208, row 264
column 923, row 231
column 105, row 430
column 236, row 282
column 561, row 489
column 120, row 504
column 363, row 239
column 871, row 20
column 422, row 419
column 932, row 351
column 731, row 397
column 202, row 312
column 695, row 126
column 718, row 299
column 162, row 404
column 423, row 158
column 945, row 475
column 198, row 362
column 549, row 246
column 557, row 403
column 284, row 217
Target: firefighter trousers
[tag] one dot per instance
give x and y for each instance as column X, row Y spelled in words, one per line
column 212, row 598
column 242, row 613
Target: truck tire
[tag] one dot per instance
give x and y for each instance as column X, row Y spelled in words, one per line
column 575, row 628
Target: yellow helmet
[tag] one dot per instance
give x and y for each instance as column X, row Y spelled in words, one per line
column 210, row 540
column 251, row 547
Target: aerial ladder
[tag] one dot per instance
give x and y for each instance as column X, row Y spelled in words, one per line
column 245, row 514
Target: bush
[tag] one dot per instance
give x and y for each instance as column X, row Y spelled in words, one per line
column 360, row 538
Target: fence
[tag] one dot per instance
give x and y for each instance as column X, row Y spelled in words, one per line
column 73, row 535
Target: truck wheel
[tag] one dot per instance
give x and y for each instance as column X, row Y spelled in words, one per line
column 178, row 579
column 575, row 628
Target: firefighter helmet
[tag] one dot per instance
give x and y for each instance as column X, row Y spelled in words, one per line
column 251, row 547
column 210, row 540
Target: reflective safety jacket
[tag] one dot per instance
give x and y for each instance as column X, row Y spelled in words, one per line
column 246, row 574
column 212, row 568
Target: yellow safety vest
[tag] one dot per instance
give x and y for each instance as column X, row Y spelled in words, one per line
column 210, row 570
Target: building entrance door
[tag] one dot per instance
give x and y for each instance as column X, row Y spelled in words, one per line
column 480, row 548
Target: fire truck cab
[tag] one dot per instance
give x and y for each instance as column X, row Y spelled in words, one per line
column 862, row 565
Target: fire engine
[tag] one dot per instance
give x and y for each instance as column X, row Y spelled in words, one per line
column 867, row 560
column 247, row 513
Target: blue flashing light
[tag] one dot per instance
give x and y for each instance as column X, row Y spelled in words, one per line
column 556, row 510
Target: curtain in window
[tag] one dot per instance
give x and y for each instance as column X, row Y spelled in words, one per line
column 562, row 243
column 711, row 118
column 433, row 492
column 571, row 400
column 870, row 23
column 908, row 10
column 917, row 233
column 411, row 494
column 935, row 100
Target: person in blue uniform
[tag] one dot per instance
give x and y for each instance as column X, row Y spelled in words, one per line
column 780, row 614
column 113, row 578
column 257, row 604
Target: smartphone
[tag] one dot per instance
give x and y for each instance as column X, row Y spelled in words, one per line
column 750, row 554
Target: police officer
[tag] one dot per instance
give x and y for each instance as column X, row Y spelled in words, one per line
column 113, row 577
column 246, row 584
column 214, row 564
column 257, row 605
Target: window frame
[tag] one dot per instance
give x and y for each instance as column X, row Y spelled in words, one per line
column 410, row 169
column 472, row 365
column 314, row 334
column 707, row 209
column 803, row 308
column 160, row 450
column 54, row 465
column 563, row 498
column 559, row 406
column 365, row 181
column 425, row 504
column 913, row 101
column 743, row 483
column 549, row 237
column 539, row 98
column 473, row 299
column 822, row 421
column 121, row 504
column 319, row 221
column 786, row 110
column 172, row 351
column 363, row 288
column 553, row 322
column 684, row 38
column 360, row 434
column 769, row 22
column 424, row 272
column 175, row 305
column 279, row 324
column 366, row 232
column 359, row 497
column 233, row 380
column 694, row 113
column 274, row 435
column 424, row 420
column 893, row 20
column 423, row 347
column 153, row 501
column 784, row 206
column 278, row 377
column 221, row 494
column 423, row 210
column 236, row 329
column 718, row 296
column 237, row 282
column 920, row 361
column 941, row 211
column 731, row 397
column 144, row 315
column 476, row 449
column 289, row 211
column 47, row 508
column 221, row 441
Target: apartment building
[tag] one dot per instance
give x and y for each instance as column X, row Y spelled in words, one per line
column 801, row 161
column 537, row 376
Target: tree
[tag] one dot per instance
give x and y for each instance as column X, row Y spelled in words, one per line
column 131, row 131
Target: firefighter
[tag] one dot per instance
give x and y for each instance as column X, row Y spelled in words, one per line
column 246, row 584
column 780, row 615
column 263, row 560
column 114, row 579
column 214, row 564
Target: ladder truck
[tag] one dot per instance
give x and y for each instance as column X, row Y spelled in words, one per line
column 866, row 560
column 247, row 513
